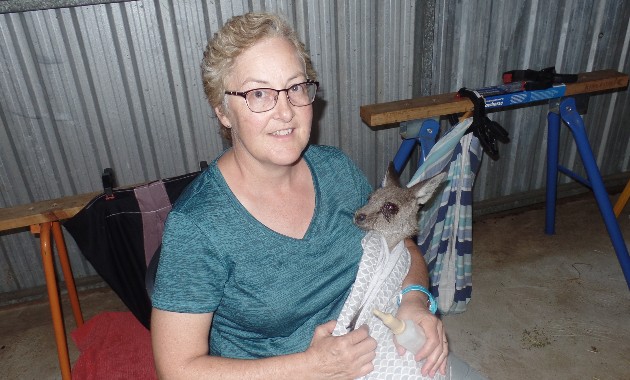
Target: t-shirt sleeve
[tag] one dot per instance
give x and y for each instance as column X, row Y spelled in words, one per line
column 190, row 275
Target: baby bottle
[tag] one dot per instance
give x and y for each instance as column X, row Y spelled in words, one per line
column 408, row 335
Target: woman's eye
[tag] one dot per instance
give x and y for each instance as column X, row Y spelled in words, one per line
column 258, row 94
column 296, row 88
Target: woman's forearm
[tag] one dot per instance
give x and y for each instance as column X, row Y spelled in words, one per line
column 294, row 366
column 418, row 275
column 180, row 349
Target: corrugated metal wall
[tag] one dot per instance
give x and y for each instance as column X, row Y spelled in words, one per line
column 476, row 41
column 117, row 85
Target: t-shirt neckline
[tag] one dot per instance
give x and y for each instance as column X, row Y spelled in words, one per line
column 255, row 222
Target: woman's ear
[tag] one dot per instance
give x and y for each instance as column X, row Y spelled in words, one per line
column 219, row 110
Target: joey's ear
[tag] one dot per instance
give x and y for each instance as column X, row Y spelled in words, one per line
column 391, row 176
column 424, row 190
column 220, row 111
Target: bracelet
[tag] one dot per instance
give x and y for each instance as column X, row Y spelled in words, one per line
column 420, row 288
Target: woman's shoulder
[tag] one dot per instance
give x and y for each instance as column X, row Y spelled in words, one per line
column 202, row 191
column 332, row 165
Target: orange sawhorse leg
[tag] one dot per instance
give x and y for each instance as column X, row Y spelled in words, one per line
column 48, row 261
column 60, row 243
column 623, row 199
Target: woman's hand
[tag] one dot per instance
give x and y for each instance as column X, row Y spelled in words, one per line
column 342, row 357
column 435, row 349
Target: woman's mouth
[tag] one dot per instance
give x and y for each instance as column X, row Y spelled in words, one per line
column 283, row 132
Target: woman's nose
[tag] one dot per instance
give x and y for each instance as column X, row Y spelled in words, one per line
column 284, row 108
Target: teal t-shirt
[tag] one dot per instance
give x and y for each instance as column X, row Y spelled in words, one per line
column 267, row 291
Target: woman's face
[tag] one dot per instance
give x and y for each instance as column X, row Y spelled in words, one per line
column 277, row 136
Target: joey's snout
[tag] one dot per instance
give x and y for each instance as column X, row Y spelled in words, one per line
column 364, row 220
column 359, row 218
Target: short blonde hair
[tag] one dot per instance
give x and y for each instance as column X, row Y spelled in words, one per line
column 236, row 36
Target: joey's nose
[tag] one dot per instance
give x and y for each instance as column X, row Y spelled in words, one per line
column 359, row 218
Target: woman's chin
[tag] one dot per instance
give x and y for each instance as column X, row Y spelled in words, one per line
column 286, row 159
column 287, row 154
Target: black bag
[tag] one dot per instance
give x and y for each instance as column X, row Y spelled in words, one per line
column 120, row 230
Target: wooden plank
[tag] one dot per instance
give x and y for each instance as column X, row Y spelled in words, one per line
column 44, row 211
column 373, row 115
column 381, row 114
column 597, row 81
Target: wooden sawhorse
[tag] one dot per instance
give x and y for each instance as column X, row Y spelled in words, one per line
column 44, row 218
column 561, row 108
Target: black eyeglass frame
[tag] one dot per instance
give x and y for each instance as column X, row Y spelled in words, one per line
column 243, row 94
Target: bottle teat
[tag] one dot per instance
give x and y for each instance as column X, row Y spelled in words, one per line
column 396, row 325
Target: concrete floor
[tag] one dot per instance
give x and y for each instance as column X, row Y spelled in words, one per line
column 543, row 307
column 546, row 306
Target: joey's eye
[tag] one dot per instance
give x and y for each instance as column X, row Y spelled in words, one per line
column 389, row 210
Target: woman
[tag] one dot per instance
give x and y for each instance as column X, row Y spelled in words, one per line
column 260, row 252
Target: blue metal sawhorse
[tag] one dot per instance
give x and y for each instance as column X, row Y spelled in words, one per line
column 560, row 109
column 426, row 135
column 566, row 110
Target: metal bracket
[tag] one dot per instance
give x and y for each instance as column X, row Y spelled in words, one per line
column 581, row 103
column 422, row 131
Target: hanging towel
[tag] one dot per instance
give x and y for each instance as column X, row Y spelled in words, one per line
column 445, row 224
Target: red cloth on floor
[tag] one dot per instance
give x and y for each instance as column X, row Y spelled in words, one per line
column 113, row 345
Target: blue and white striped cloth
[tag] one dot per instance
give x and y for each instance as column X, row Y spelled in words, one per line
column 445, row 224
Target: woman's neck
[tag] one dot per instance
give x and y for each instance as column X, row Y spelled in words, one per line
column 280, row 197
column 245, row 169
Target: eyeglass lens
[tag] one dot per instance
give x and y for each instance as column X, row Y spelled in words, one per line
column 264, row 99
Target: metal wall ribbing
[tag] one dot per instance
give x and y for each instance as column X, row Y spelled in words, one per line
column 476, row 41
column 117, row 85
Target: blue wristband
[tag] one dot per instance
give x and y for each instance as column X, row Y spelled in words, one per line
column 420, row 288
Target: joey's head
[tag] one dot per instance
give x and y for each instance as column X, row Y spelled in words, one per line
column 393, row 209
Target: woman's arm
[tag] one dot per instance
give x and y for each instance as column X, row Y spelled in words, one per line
column 414, row 306
column 180, row 349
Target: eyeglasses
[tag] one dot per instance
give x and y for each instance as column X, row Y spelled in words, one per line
column 264, row 99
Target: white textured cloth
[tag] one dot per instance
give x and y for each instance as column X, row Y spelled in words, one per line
column 377, row 285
